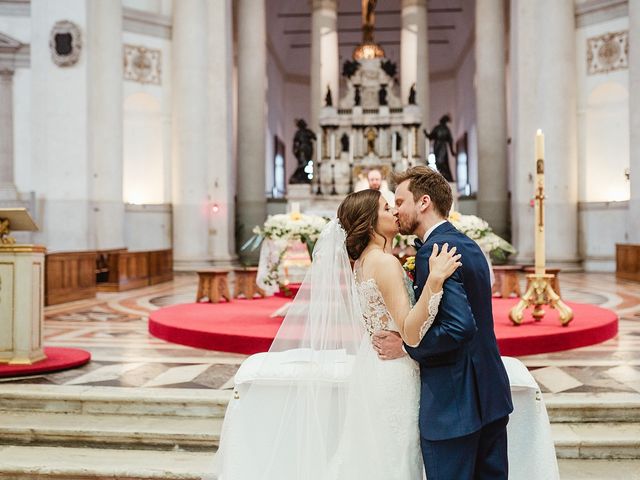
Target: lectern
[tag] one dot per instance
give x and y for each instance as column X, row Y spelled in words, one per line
column 21, row 291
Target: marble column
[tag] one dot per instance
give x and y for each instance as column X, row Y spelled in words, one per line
column 491, row 115
column 543, row 72
column 190, row 135
column 414, row 58
column 7, row 181
column 221, row 188
column 105, row 103
column 252, row 81
column 634, row 120
column 324, row 56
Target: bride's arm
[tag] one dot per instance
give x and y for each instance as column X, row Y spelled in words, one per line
column 414, row 322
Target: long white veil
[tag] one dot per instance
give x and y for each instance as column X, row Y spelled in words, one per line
column 288, row 412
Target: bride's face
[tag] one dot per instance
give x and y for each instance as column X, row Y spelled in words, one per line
column 387, row 223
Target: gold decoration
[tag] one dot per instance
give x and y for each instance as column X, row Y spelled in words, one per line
column 5, row 238
column 540, row 292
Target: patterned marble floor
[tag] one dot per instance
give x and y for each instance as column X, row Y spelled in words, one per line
column 113, row 327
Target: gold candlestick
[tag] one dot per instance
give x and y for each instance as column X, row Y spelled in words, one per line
column 540, row 291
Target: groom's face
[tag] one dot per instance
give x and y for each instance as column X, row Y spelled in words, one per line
column 406, row 209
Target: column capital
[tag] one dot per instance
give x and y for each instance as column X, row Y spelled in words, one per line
column 324, row 4
column 6, row 72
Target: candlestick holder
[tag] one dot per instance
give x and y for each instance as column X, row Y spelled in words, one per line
column 538, row 294
column 540, row 291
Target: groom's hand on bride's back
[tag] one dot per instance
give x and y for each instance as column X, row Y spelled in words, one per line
column 388, row 345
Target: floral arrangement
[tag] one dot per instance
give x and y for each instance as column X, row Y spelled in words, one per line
column 479, row 230
column 278, row 231
column 472, row 226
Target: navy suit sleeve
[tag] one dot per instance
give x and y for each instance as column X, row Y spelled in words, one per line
column 454, row 323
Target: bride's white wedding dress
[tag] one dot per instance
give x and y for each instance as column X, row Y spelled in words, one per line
column 381, row 439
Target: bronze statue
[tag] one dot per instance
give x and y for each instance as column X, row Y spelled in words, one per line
column 382, row 95
column 371, row 136
column 303, row 151
column 368, row 19
column 412, row 95
column 344, row 142
column 328, row 99
column 441, row 137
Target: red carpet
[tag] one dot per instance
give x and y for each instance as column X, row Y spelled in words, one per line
column 57, row 359
column 244, row 326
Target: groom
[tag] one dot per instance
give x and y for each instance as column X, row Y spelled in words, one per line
column 465, row 398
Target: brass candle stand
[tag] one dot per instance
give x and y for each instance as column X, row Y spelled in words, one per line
column 540, row 292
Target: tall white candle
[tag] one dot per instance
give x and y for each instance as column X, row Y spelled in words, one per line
column 410, row 148
column 540, row 253
column 394, row 144
column 351, row 147
column 332, row 145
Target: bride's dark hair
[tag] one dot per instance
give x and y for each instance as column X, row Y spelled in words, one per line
column 358, row 215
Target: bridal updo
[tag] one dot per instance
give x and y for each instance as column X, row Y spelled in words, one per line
column 358, row 215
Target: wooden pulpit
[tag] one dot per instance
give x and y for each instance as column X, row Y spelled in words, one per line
column 21, row 291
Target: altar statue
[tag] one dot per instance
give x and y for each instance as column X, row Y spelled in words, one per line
column 303, row 151
column 441, row 137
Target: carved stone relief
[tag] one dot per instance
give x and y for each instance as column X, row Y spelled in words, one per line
column 608, row 52
column 142, row 65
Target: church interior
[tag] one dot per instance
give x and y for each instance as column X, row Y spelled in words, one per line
column 167, row 165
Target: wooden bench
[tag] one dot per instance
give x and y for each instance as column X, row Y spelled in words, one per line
column 213, row 285
column 245, row 284
column 69, row 276
column 506, row 282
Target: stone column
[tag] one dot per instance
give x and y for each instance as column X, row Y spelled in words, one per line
column 252, row 79
column 491, row 116
column 7, row 181
column 105, row 104
column 634, row 120
column 221, row 187
column 414, row 58
column 544, row 96
column 190, row 135
column 324, row 56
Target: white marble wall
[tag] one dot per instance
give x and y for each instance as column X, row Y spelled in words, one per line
column 148, row 227
column 465, row 114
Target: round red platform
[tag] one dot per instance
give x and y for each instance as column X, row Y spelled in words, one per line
column 244, row 326
column 57, row 359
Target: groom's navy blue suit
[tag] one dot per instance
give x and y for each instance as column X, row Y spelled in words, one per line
column 465, row 396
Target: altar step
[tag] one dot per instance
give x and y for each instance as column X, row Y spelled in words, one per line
column 109, row 417
column 60, row 463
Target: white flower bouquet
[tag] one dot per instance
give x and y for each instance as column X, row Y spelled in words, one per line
column 479, row 230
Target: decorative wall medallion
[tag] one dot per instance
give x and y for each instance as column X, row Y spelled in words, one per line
column 142, row 64
column 608, row 52
column 65, row 43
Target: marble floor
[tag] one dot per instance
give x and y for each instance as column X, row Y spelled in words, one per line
column 113, row 327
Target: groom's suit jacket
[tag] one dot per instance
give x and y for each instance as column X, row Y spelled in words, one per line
column 464, row 384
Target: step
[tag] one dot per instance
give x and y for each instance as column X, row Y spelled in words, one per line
column 176, row 402
column 597, row 440
column 593, row 407
column 109, row 431
column 62, row 463
column 571, row 469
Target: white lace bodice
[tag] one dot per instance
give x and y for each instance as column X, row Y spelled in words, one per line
column 376, row 315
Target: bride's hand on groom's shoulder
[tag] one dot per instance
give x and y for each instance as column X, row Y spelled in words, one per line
column 443, row 262
column 388, row 345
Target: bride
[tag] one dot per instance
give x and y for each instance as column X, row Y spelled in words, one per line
column 321, row 404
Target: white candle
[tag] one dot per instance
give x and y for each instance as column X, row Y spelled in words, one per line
column 540, row 253
column 410, row 148
column 426, row 150
column 351, row 147
column 295, row 207
column 333, row 147
column 394, row 142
